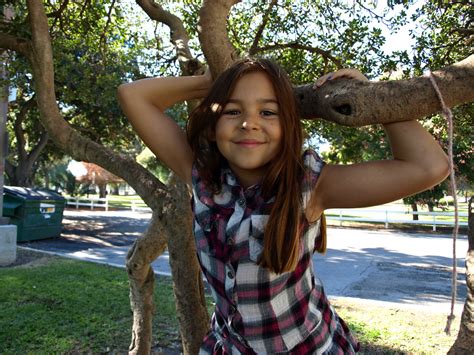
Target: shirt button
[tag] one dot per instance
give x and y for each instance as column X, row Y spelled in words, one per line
column 230, row 241
column 230, row 274
column 241, row 202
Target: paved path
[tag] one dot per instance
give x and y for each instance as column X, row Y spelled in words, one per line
column 384, row 266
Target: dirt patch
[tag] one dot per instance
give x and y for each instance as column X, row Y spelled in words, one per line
column 30, row 258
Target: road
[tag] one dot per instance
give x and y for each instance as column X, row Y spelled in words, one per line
column 382, row 266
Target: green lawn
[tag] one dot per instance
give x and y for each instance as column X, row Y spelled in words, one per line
column 70, row 306
column 66, row 306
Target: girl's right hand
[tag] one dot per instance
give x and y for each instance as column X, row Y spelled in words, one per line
column 341, row 73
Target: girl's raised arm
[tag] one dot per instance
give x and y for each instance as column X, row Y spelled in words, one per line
column 418, row 163
column 144, row 102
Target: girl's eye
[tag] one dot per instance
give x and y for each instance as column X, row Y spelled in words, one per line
column 268, row 113
column 231, row 112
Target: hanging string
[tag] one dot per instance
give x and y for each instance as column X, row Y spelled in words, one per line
column 448, row 115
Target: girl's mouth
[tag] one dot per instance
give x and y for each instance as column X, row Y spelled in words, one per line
column 248, row 143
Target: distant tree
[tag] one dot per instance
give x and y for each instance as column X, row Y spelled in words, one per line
column 428, row 198
column 96, row 175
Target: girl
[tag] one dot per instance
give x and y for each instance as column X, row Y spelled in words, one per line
column 258, row 200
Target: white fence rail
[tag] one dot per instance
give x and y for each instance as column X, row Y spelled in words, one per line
column 359, row 215
column 88, row 202
column 94, row 203
column 392, row 217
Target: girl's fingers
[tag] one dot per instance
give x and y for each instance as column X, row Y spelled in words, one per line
column 322, row 80
column 342, row 73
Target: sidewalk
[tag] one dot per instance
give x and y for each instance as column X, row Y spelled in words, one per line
column 377, row 266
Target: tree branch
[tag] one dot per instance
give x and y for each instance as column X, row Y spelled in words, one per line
column 356, row 103
column 179, row 36
column 9, row 169
column 19, row 45
column 213, row 36
column 262, row 26
column 463, row 31
column 36, row 151
column 109, row 14
column 325, row 54
column 57, row 14
column 17, row 128
column 77, row 146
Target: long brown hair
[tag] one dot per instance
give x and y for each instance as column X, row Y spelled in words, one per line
column 283, row 178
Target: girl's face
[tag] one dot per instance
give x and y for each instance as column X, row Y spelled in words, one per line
column 248, row 133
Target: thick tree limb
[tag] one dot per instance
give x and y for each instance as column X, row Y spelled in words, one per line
column 177, row 222
column 354, row 103
column 322, row 52
column 13, row 43
column 465, row 340
column 188, row 286
column 36, row 151
column 141, row 277
column 80, row 148
column 178, row 34
column 212, row 28
column 17, row 127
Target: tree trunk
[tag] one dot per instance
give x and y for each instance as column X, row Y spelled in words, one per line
column 464, row 343
column 414, row 207
column 190, row 305
column 155, row 194
column 141, row 278
column 102, row 190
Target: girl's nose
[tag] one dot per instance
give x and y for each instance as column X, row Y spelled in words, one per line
column 250, row 122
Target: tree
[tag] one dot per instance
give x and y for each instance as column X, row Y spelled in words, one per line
column 465, row 340
column 22, row 172
column 343, row 102
column 98, row 176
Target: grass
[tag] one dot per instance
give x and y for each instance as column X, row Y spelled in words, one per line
column 384, row 330
column 67, row 306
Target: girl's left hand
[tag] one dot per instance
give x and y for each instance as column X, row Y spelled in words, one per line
column 341, row 73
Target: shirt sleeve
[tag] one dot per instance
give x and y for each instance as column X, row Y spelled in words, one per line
column 313, row 166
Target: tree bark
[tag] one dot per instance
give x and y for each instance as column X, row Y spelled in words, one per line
column 142, row 278
column 215, row 43
column 464, row 343
column 152, row 191
column 190, row 305
column 414, row 207
column 348, row 102
column 356, row 103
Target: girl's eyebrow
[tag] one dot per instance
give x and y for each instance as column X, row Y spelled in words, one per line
column 261, row 100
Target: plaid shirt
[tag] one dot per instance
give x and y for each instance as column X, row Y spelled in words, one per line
column 258, row 311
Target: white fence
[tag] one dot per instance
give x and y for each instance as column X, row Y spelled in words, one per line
column 359, row 215
column 88, row 202
column 393, row 216
column 94, row 203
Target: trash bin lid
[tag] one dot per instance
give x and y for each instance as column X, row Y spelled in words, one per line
column 28, row 193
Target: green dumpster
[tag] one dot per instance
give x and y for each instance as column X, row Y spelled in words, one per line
column 37, row 213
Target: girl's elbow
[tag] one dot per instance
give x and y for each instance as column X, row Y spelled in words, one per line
column 439, row 170
column 123, row 92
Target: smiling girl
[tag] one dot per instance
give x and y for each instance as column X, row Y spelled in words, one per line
column 258, row 200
